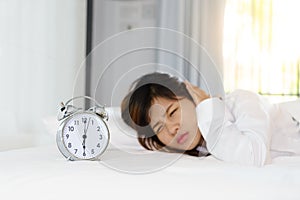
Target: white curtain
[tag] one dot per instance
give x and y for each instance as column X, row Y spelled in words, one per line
column 42, row 46
column 202, row 22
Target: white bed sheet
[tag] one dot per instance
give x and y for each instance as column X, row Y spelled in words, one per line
column 42, row 173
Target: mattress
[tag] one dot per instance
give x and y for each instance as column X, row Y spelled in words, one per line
column 128, row 171
column 42, row 173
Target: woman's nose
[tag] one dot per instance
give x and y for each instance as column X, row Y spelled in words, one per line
column 172, row 127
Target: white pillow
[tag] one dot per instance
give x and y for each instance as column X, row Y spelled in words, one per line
column 293, row 107
column 16, row 141
column 125, row 137
column 122, row 136
column 12, row 136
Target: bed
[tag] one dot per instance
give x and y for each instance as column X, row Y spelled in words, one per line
column 127, row 171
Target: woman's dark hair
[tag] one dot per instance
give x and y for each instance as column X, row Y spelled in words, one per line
column 135, row 106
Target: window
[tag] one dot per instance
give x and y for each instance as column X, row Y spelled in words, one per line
column 261, row 47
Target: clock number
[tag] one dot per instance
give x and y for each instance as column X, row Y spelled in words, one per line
column 92, row 122
column 75, row 150
column 76, row 122
column 100, row 137
column 71, row 128
column 67, row 136
column 98, row 128
column 93, row 151
column 84, row 120
column 98, row 145
column 69, row 145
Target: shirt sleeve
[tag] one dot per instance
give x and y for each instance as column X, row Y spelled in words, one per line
column 239, row 134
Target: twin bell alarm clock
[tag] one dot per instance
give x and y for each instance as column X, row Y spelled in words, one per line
column 82, row 134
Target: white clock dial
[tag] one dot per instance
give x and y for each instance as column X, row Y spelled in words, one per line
column 85, row 135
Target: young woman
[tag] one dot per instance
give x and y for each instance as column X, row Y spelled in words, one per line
column 173, row 116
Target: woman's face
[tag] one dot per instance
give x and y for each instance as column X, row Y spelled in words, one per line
column 175, row 123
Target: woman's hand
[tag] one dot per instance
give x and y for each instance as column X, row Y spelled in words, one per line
column 197, row 94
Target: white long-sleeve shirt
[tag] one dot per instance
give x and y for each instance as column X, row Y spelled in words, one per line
column 244, row 128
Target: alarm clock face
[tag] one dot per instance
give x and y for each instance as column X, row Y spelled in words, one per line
column 85, row 135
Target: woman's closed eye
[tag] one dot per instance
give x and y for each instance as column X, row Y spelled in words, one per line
column 173, row 112
column 159, row 128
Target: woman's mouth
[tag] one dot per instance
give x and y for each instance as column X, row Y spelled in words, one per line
column 182, row 138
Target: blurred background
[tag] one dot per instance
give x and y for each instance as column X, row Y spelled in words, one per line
column 52, row 50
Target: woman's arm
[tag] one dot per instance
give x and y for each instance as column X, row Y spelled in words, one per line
column 238, row 132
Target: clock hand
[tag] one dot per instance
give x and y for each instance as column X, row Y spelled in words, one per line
column 87, row 125
column 85, row 136
column 83, row 144
column 84, row 128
